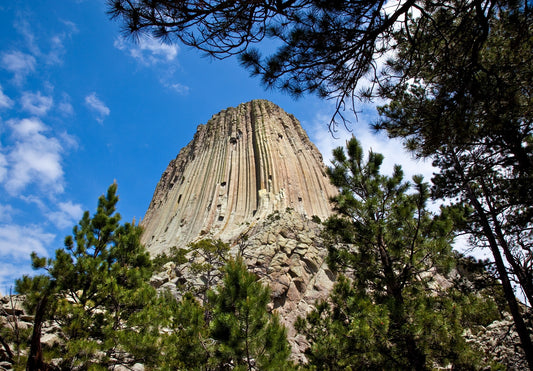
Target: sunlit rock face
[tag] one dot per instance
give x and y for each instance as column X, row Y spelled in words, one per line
column 241, row 166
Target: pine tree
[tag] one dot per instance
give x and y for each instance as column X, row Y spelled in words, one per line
column 189, row 346
column 91, row 288
column 247, row 336
column 208, row 257
column 322, row 47
column 478, row 133
column 169, row 334
column 389, row 313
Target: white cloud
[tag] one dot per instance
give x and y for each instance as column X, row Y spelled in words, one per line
column 67, row 215
column 148, row 51
column 32, row 199
column 57, row 50
column 65, row 107
column 23, row 27
column 179, row 88
column 72, row 27
column 34, row 158
column 9, row 272
column 99, row 107
column 57, row 45
column 5, row 101
column 55, row 42
column 69, row 141
column 6, row 211
column 18, row 242
column 26, row 127
column 20, row 64
column 36, row 103
column 391, row 149
column 3, row 167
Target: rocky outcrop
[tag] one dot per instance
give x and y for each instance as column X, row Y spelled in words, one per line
column 244, row 164
column 18, row 323
column 287, row 252
column 499, row 343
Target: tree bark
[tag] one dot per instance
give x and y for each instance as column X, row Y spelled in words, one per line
column 35, row 358
column 508, row 292
column 7, row 348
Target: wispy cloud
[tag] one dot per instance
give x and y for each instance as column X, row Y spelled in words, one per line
column 36, row 103
column 57, row 44
column 5, row 101
column 57, row 50
column 392, row 150
column 6, row 211
column 19, row 63
column 23, row 27
column 9, row 272
column 67, row 214
column 32, row 149
column 161, row 57
column 95, row 104
column 54, row 43
column 64, row 106
column 34, row 158
column 3, row 167
column 17, row 242
column 148, row 51
column 177, row 87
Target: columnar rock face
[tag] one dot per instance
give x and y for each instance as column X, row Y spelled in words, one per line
column 251, row 170
column 241, row 166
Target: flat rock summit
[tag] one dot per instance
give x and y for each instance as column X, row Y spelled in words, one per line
column 241, row 166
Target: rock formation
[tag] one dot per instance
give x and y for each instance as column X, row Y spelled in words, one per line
column 286, row 252
column 251, row 170
column 245, row 163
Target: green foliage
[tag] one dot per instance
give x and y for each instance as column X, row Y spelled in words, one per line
column 207, row 259
column 349, row 331
column 478, row 131
column 389, row 313
column 322, row 47
column 458, row 87
column 247, row 335
column 169, row 334
column 241, row 333
column 96, row 289
column 275, row 215
column 191, row 339
column 316, row 219
column 174, row 255
column 93, row 285
column 475, row 278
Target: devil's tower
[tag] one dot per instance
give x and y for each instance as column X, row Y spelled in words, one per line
column 251, row 170
column 241, row 166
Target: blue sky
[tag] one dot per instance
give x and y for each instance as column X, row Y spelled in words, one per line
column 81, row 107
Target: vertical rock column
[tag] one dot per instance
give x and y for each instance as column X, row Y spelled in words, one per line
column 245, row 163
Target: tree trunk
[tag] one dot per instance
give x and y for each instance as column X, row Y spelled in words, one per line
column 9, row 353
column 35, row 358
column 416, row 358
column 520, row 325
column 517, row 269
